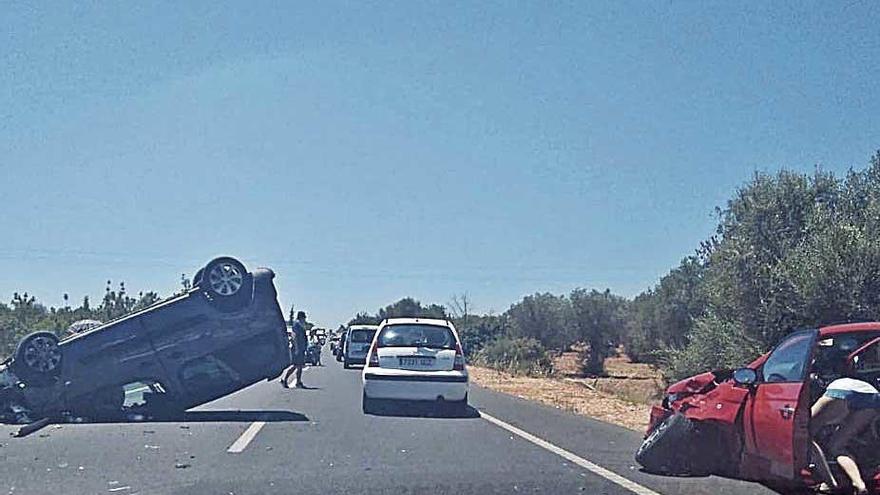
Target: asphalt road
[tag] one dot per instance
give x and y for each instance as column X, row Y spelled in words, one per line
column 267, row 440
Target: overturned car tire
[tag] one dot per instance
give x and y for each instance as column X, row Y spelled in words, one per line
column 38, row 358
column 225, row 281
column 675, row 447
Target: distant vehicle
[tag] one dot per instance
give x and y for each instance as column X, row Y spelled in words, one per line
column 334, row 344
column 754, row 422
column 416, row 359
column 221, row 335
column 313, row 352
column 357, row 343
column 340, row 347
column 319, row 335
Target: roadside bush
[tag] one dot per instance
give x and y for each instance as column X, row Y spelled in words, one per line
column 712, row 344
column 521, row 356
column 478, row 331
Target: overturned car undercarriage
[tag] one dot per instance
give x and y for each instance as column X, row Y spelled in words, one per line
column 225, row 333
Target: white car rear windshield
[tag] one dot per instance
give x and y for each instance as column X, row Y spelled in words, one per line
column 362, row 336
column 431, row 336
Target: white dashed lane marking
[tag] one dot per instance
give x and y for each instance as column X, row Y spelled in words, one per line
column 248, row 436
column 245, row 439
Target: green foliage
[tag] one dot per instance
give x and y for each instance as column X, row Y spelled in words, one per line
column 364, row 318
column 798, row 250
column 404, row 308
column 791, row 250
column 480, row 330
column 662, row 317
column 25, row 315
column 544, row 318
column 523, row 356
column 596, row 318
column 712, row 344
column 410, row 308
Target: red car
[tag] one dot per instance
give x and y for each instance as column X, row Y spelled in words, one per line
column 753, row 423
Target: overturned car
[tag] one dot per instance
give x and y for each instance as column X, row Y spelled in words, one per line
column 753, row 423
column 221, row 335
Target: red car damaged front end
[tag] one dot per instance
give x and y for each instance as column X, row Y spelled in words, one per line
column 696, row 428
column 680, row 390
column 710, row 396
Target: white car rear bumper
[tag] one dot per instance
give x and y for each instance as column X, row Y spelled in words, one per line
column 429, row 386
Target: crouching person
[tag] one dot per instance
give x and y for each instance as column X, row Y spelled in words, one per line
column 853, row 404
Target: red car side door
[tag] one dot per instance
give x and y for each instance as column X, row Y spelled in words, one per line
column 778, row 413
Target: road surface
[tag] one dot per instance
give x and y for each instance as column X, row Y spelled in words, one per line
column 267, row 440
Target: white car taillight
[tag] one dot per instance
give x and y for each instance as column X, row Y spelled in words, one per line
column 374, row 357
column 459, row 359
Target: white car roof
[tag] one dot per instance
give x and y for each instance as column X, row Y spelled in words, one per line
column 416, row 321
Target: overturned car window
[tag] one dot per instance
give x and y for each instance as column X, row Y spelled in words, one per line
column 207, row 372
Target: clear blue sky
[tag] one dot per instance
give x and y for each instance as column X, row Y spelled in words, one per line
column 370, row 151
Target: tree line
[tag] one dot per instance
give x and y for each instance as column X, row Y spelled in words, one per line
column 790, row 250
column 24, row 315
column 522, row 339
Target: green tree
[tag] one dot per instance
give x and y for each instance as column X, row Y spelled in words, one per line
column 411, row 308
column 662, row 317
column 791, row 250
column 364, row 318
column 543, row 317
column 597, row 318
column 480, row 330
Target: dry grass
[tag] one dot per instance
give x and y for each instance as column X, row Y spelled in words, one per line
column 622, row 398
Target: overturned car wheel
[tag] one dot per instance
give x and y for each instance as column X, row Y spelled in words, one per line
column 674, row 447
column 225, row 281
column 38, row 358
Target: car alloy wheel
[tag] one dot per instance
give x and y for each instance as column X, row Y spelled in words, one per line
column 225, row 279
column 42, row 354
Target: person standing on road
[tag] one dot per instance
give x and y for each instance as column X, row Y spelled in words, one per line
column 298, row 353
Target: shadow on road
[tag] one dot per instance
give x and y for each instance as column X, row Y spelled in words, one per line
column 421, row 410
column 231, row 416
column 679, row 475
column 234, row 416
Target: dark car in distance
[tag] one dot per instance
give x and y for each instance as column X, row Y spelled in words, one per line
column 223, row 334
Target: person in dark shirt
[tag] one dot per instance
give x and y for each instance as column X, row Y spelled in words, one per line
column 298, row 352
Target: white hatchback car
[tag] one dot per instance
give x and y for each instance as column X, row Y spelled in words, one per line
column 416, row 359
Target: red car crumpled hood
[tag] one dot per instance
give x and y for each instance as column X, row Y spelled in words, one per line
column 692, row 385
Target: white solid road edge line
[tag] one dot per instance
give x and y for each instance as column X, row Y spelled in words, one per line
column 592, row 467
column 239, row 445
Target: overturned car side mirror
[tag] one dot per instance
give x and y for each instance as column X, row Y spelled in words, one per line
column 745, row 376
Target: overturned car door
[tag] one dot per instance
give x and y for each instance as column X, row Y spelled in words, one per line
column 777, row 414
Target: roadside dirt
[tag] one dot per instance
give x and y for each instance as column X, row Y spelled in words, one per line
column 623, row 398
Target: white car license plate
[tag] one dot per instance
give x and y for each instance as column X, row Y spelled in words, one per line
column 417, row 361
